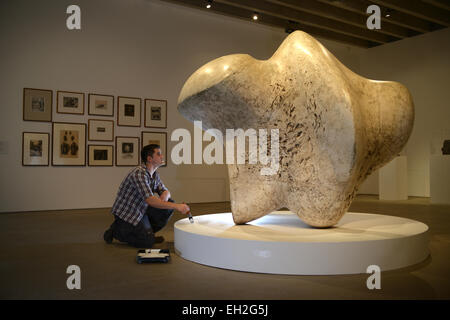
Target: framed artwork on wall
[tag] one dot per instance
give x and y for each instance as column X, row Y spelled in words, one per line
column 100, row 155
column 156, row 138
column 100, row 105
column 155, row 113
column 37, row 104
column 70, row 102
column 101, row 130
column 128, row 153
column 129, row 111
column 69, row 144
column 35, row 148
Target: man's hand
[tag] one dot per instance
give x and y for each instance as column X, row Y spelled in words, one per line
column 183, row 208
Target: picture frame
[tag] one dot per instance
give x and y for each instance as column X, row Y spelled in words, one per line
column 35, row 149
column 127, row 152
column 69, row 144
column 100, row 105
column 129, row 111
column 155, row 113
column 100, row 130
column 148, row 137
column 100, row 155
column 37, row 104
column 70, row 102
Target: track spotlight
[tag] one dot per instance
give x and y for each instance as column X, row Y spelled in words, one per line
column 255, row 16
column 208, row 4
column 291, row 26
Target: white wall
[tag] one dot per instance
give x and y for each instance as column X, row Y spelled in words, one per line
column 132, row 48
column 422, row 64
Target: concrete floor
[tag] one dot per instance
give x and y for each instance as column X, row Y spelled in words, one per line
column 37, row 248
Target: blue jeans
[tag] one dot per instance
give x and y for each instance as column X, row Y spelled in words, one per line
column 143, row 234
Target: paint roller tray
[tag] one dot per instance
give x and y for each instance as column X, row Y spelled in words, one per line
column 153, row 255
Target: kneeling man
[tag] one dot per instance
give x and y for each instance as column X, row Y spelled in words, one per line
column 143, row 205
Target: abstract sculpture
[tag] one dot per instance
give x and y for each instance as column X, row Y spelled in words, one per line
column 335, row 127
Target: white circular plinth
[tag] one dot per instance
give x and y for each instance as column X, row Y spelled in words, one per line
column 281, row 243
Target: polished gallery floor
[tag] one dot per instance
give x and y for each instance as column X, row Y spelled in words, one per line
column 37, row 248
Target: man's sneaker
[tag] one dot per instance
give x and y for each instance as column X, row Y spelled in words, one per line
column 159, row 239
column 108, row 236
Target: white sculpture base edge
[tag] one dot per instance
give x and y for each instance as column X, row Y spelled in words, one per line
column 280, row 243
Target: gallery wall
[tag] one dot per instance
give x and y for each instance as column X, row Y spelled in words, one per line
column 422, row 64
column 133, row 48
column 147, row 49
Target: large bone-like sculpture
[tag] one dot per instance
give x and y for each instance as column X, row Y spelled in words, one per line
column 335, row 127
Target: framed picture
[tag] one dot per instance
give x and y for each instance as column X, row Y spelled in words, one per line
column 37, row 104
column 156, row 138
column 129, row 111
column 101, row 130
column 70, row 102
column 155, row 113
column 127, row 151
column 100, row 155
column 101, row 105
column 35, row 150
column 69, row 144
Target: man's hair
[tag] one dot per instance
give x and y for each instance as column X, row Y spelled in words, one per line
column 148, row 150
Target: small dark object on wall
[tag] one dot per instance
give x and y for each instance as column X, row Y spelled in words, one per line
column 446, row 147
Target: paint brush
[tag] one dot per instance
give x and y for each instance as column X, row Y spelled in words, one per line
column 190, row 216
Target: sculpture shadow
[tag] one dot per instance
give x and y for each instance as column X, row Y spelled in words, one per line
column 343, row 225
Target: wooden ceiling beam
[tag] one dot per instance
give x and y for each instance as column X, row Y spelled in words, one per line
column 417, row 9
column 442, row 4
column 272, row 21
column 398, row 18
column 339, row 14
column 306, row 18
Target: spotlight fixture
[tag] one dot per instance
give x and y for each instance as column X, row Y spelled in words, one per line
column 291, row 26
column 388, row 13
column 208, row 4
column 288, row 30
column 255, row 16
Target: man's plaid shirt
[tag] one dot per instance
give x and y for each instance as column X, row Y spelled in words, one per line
column 138, row 185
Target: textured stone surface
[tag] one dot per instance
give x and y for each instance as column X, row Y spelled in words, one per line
column 335, row 126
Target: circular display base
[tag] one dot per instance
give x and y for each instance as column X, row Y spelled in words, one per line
column 281, row 243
